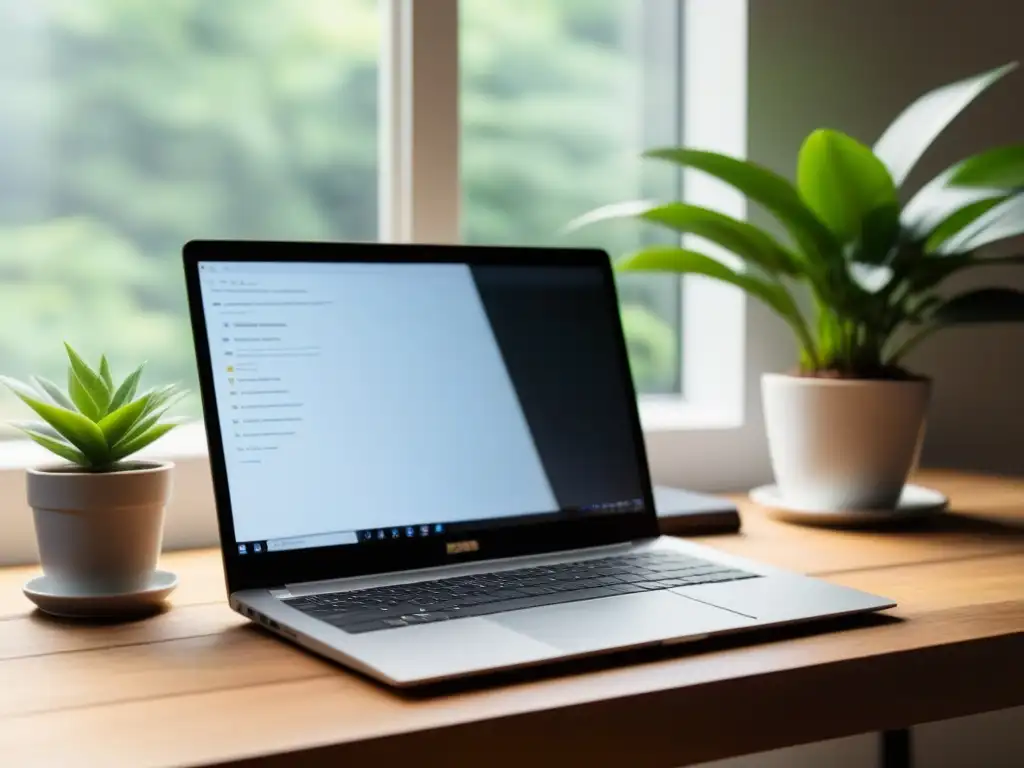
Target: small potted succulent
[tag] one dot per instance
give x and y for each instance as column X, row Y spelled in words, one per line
column 845, row 427
column 99, row 519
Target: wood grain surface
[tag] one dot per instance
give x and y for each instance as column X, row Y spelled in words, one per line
column 198, row 685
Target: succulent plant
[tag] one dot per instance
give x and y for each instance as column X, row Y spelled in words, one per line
column 95, row 423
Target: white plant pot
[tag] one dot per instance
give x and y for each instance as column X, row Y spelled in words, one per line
column 100, row 533
column 839, row 444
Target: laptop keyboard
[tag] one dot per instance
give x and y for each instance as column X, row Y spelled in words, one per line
column 423, row 602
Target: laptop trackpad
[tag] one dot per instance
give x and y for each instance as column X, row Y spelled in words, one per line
column 613, row 622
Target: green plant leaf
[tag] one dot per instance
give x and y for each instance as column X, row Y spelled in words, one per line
column 842, row 182
column 126, row 391
column 918, row 310
column 162, row 398
column 930, row 271
column 152, row 414
column 977, row 307
column 172, row 400
column 57, row 446
column 628, row 209
column 998, row 168
column 829, row 334
column 880, row 232
column 680, row 260
column 935, row 202
column 1000, row 222
column 142, row 425
column 77, row 429
column 137, row 443
column 91, row 381
column 80, row 396
column 988, row 177
column 984, row 305
column 933, row 270
column 53, row 392
column 957, row 221
column 40, row 427
column 745, row 240
column 116, row 424
column 19, row 388
column 913, row 131
column 766, row 188
column 105, row 374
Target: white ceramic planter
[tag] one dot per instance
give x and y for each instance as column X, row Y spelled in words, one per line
column 100, row 533
column 840, row 444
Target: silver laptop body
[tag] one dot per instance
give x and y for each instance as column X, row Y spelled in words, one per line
column 392, row 425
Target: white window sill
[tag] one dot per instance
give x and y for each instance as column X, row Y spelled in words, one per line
column 674, row 414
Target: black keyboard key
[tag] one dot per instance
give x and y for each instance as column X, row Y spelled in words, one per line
column 675, row 565
column 302, row 602
column 537, row 591
column 330, row 614
column 507, row 594
column 537, row 581
column 630, row 578
column 345, row 620
column 625, row 589
column 469, row 600
column 424, row 600
column 678, row 574
column 592, row 583
column 366, row 626
column 648, row 586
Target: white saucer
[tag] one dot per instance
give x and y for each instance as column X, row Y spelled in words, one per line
column 915, row 502
column 50, row 599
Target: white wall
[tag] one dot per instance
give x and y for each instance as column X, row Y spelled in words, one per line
column 852, row 65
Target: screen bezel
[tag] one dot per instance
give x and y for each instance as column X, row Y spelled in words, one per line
column 270, row 570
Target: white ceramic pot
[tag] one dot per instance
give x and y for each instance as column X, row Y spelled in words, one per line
column 100, row 533
column 839, row 444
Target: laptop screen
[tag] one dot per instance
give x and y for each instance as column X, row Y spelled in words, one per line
column 368, row 403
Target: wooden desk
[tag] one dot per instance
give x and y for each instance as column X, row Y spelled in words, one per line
column 198, row 686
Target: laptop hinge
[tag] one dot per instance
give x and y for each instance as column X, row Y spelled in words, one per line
column 281, row 593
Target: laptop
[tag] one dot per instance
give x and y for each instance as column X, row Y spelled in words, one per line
column 428, row 463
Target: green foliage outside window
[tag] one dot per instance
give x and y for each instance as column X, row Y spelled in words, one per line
column 132, row 126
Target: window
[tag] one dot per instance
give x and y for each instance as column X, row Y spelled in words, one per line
column 129, row 127
column 558, row 100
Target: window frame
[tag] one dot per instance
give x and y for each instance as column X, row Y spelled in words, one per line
column 713, row 39
column 699, row 438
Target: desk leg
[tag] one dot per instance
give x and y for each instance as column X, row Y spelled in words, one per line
column 895, row 749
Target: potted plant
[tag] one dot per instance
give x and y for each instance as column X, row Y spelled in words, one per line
column 845, row 426
column 99, row 520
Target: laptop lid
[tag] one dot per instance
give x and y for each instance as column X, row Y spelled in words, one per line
column 374, row 408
